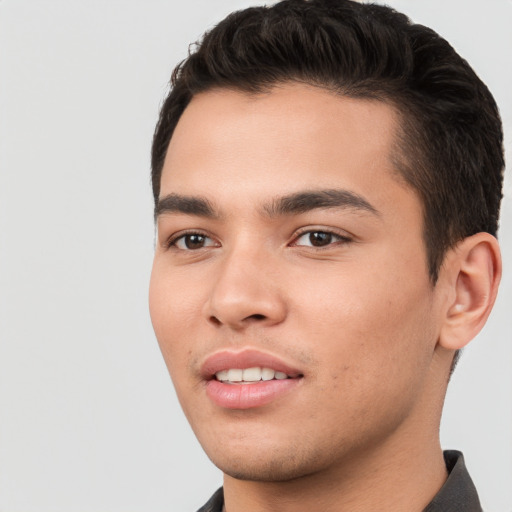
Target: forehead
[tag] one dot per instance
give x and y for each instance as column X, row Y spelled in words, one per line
column 290, row 138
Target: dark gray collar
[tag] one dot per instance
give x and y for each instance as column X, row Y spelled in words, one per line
column 458, row 493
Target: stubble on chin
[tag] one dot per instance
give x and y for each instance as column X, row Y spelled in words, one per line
column 289, row 466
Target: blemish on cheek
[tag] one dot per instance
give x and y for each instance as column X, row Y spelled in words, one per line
column 344, row 369
column 335, row 376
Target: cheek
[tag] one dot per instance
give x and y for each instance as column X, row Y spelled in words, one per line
column 173, row 313
column 368, row 322
column 373, row 350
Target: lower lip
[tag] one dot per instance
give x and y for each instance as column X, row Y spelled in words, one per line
column 248, row 396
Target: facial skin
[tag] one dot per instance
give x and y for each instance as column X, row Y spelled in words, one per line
column 357, row 316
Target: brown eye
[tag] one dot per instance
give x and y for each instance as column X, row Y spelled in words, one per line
column 193, row 241
column 319, row 239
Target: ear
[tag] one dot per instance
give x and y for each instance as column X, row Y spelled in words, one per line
column 473, row 271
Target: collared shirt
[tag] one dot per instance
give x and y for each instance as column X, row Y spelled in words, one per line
column 458, row 493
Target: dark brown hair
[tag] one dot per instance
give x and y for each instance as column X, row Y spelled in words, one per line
column 449, row 148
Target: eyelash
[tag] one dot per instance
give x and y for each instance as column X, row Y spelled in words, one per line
column 340, row 239
column 172, row 241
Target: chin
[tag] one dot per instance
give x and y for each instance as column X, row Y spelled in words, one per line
column 267, row 465
column 264, row 471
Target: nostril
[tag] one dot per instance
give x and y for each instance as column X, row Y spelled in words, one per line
column 215, row 320
column 251, row 318
column 256, row 317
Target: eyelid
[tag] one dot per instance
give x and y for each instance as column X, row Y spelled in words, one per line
column 170, row 242
column 343, row 236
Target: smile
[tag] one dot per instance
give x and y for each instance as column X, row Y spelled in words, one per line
column 249, row 375
column 248, row 379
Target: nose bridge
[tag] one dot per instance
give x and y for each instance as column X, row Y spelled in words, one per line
column 245, row 290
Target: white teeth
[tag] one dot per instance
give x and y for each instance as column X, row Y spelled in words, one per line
column 267, row 374
column 223, row 375
column 254, row 374
column 235, row 375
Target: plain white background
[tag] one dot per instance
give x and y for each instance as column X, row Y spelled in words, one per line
column 88, row 417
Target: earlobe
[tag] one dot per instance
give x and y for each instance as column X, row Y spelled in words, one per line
column 475, row 270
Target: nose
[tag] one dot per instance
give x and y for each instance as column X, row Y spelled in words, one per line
column 246, row 292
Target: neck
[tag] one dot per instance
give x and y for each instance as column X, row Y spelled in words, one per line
column 401, row 476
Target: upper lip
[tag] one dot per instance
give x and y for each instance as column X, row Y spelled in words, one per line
column 247, row 358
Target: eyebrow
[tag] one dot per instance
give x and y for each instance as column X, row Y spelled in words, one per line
column 305, row 201
column 188, row 205
column 296, row 203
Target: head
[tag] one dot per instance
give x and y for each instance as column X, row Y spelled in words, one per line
column 327, row 178
column 449, row 142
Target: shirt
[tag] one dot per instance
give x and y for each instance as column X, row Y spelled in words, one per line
column 458, row 493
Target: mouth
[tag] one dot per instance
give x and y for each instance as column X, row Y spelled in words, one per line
column 248, row 379
column 250, row 375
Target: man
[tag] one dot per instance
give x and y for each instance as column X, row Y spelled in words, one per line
column 327, row 179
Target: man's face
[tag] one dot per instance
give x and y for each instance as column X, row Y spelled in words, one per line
column 287, row 241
